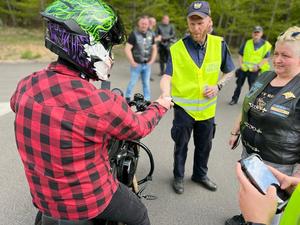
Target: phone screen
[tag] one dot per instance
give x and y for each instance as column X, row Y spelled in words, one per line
column 259, row 173
column 262, row 178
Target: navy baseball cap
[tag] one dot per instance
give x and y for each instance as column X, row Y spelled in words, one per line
column 258, row 29
column 199, row 8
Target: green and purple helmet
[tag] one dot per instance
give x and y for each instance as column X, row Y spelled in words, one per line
column 77, row 29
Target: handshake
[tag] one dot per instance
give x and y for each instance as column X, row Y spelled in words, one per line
column 165, row 101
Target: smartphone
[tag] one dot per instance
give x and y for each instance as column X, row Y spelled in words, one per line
column 262, row 178
column 236, row 143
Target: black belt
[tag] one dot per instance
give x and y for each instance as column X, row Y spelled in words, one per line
column 143, row 62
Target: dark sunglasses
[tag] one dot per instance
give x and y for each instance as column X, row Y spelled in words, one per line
column 294, row 34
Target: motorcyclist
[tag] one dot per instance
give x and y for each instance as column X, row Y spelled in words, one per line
column 63, row 124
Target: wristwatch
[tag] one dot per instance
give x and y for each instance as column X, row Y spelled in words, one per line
column 220, row 86
column 250, row 223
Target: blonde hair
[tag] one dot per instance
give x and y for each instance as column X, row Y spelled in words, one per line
column 291, row 36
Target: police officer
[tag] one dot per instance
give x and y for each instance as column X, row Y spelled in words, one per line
column 192, row 71
column 253, row 59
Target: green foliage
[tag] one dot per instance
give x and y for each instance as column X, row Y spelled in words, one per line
column 20, row 12
column 233, row 19
column 29, row 55
column 14, row 36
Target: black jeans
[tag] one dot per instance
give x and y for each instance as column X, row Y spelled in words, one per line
column 126, row 207
column 164, row 53
column 203, row 131
column 240, row 80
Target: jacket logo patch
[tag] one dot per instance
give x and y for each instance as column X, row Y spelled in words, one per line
column 289, row 95
column 212, row 68
column 280, row 110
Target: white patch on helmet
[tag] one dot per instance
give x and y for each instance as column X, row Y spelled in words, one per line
column 103, row 66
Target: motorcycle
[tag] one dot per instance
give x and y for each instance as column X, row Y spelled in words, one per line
column 124, row 156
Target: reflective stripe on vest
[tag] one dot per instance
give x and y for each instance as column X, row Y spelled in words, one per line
column 189, row 81
column 291, row 214
column 187, row 103
column 252, row 57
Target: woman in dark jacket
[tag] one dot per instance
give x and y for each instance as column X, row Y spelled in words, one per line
column 269, row 124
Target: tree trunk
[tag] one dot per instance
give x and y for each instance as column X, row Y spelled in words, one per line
column 11, row 14
column 42, row 2
column 133, row 14
column 220, row 21
column 289, row 8
column 272, row 18
column 233, row 24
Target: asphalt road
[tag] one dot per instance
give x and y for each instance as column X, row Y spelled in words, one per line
column 196, row 206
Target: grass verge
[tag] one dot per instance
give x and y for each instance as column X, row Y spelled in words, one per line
column 21, row 44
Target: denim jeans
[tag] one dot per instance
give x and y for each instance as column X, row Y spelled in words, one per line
column 144, row 70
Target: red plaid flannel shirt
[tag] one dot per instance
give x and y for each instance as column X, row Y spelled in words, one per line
column 63, row 125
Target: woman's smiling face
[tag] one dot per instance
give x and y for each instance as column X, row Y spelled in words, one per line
column 286, row 59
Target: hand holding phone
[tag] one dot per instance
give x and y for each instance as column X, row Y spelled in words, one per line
column 254, row 206
column 262, row 178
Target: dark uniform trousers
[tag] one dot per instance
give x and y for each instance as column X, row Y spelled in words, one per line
column 241, row 77
column 203, row 132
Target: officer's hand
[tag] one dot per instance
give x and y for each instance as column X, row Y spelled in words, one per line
column 166, row 102
column 210, row 91
column 255, row 68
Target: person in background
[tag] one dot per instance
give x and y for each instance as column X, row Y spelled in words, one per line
column 141, row 52
column 166, row 36
column 63, row 123
column 152, row 28
column 253, row 59
column 269, row 124
column 152, row 25
column 192, row 80
column 259, row 209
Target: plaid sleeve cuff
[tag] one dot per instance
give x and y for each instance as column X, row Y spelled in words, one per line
column 159, row 107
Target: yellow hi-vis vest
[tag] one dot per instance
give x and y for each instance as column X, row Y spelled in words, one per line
column 252, row 57
column 291, row 214
column 189, row 81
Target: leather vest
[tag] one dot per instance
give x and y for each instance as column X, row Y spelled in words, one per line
column 143, row 48
column 277, row 131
